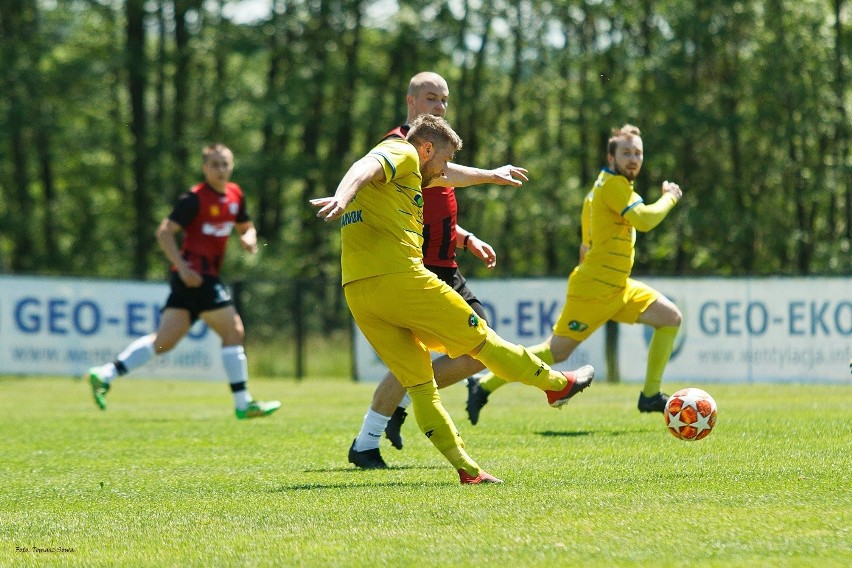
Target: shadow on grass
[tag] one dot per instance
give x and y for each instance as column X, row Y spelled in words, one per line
column 580, row 433
column 352, row 469
column 564, row 434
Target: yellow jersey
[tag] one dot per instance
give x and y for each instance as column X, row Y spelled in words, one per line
column 382, row 228
column 611, row 238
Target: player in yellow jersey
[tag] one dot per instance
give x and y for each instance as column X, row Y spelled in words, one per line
column 428, row 93
column 402, row 308
column 600, row 287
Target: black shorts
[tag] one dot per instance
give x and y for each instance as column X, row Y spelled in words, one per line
column 456, row 281
column 211, row 295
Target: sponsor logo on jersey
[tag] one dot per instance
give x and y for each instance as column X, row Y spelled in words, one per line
column 575, row 325
column 429, row 433
column 217, row 229
column 352, row 217
column 473, row 320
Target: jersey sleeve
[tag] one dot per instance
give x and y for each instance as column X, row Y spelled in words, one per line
column 185, row 209
column 242, row 212
column 397, row 157
column 619, row 196
column 646, row 217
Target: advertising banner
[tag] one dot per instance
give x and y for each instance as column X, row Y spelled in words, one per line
column 63, row 326
column 752, row 330
column 734, row 330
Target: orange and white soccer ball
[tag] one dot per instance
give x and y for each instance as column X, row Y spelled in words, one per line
column 690, row 414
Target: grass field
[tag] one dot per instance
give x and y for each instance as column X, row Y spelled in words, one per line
column 167, row 477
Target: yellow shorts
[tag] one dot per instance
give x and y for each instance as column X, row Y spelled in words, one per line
column 405, row 315
column 589, row 304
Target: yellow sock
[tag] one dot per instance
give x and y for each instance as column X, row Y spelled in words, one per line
column 515, row 363
column 659, row 352
column 437, row 425
column 492, row 382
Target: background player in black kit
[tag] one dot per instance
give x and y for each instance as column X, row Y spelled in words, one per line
column 206, row 214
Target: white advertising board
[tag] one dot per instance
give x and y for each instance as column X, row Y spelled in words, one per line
column 751, row 330
column 736, row 330
column 63, row 326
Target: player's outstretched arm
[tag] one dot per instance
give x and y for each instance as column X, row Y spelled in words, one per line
column 361, row 173
column 646, row 217
column 456, row 175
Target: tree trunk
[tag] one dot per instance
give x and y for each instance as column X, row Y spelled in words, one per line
column 180, row 154
column 309, row 230
column 471, row 143
column 841, row 136
column 162, row 151
column 16, row 25
column 270, row 199
column 44, row 149
column 220, row 60
column 136, row 67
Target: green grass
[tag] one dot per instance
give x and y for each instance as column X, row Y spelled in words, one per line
column 167, row 477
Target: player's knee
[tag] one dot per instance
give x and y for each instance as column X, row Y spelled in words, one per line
column 233, row 336
column 676, row 317
column 163, row 347
column 559, row 353
column 561, row 348
column 239, row 336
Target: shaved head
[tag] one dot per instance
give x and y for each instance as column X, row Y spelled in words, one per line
column 426, row 79
column 427, row 94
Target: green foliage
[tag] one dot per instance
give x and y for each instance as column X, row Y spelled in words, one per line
column 746, row 104
column 167, row 477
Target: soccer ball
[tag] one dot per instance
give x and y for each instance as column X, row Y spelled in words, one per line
column 690, row 414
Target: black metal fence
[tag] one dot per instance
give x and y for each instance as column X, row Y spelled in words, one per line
column 293, row 310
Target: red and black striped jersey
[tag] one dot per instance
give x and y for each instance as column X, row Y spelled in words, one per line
column 208, row 218
column 440, row 214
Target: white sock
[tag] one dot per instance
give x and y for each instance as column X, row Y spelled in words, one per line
column 371, row 432
column 241, row 399
column 236, row 368
column 139, row 352
column 107, row 372
column 406, row 400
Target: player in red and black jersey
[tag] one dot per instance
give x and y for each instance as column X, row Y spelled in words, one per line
column 207, row 218
column 207, row 215
column 428, row 94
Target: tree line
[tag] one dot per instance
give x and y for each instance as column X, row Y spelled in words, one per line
column 746, row 104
